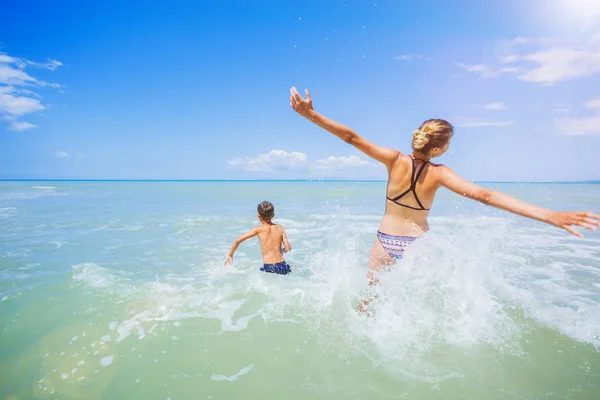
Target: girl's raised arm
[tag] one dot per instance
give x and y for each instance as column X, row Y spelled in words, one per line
column 304, row 107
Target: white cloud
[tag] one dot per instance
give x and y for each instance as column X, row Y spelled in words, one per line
column 284, row 161
column 485, row 71
column 560, row 64
column 341, row 163
column 15, row 98
column 5, row 59
column 593, row 104
column 483, row 124
column 11, row 103
column 60, row 154
column 27, row 92
column 578, row 127
column 20, row 126
column 586, row 126
column 496, row 106
column 544, row 60
column 50, row 64
column 346, row 167
column 409, row 57
column 270, row 162
column 509, row 59
column 562, row 110
column 13, row 75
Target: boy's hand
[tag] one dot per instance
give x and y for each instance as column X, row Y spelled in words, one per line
column 228, row 261
column 565, row 220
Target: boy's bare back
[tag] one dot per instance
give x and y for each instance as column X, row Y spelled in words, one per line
column 272, row 238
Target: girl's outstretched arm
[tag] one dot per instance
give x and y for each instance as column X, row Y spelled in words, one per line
column 565, row 220
column 304, row 107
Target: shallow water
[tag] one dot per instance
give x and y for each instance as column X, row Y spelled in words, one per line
column 117, row 290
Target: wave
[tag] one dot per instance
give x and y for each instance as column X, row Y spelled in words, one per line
column 45, row 187
column 456, row 288
column 8, row 211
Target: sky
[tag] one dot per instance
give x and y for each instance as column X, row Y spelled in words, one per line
column 200, row 90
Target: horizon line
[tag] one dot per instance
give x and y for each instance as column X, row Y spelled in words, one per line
column 267, row 180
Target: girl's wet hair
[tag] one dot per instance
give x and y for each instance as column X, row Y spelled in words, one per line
column 433, row 133
column 266, row 210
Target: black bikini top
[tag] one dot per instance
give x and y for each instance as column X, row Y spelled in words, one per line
column 413, row 185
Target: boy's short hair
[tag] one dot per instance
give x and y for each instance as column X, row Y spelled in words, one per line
column 266, row 210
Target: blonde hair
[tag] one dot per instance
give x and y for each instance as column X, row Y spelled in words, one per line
column 433, row 133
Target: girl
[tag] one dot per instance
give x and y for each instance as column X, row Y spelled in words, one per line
column 413, row 181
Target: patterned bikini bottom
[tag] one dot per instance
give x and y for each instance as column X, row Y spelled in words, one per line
column 395, row 245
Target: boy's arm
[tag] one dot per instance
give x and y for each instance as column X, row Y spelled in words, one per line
column 237, row 242
column 286, row 244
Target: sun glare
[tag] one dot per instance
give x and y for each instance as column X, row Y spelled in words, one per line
column 574, row 13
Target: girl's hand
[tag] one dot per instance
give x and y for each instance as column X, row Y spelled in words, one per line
column 566, row 219
column 301, row 106
column 228, row 261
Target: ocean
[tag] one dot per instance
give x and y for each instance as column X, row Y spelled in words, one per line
column 117, row 290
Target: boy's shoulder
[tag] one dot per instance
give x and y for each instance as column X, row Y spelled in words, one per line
column 262, row 228
column 277, row 227
column 267, row 227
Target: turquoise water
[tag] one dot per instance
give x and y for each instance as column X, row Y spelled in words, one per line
column 113, row 290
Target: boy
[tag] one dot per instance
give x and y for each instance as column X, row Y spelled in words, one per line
column 271, row 236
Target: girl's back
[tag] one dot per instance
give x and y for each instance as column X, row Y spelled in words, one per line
column 410, row 192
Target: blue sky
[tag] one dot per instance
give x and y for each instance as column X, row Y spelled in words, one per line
column 199, row 90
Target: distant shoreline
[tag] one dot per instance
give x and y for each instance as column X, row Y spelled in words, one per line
column 591, row 182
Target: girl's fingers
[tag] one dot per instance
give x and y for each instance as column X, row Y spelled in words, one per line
column 568, row 228
column 587, row 226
